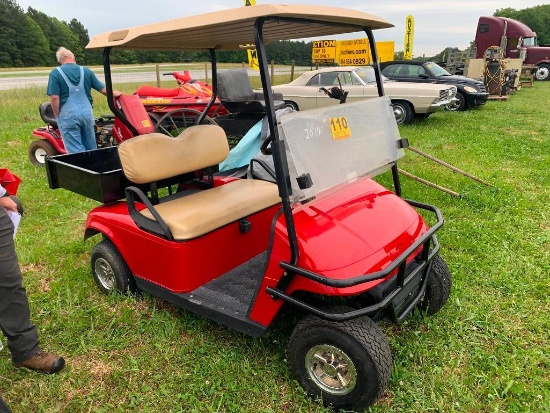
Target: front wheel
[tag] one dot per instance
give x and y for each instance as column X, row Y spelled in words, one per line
column 402, row 111
column 543, row 72
column 438, row 288
column 110, row 271
column 39, row 149
column 346, row 364
column 459, row 104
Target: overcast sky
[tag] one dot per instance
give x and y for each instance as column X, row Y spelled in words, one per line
column 438, row 23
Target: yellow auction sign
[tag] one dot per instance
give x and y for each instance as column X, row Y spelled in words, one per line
column 253, row 62
column 409, row 35
column 323, row 51
column 354, row 52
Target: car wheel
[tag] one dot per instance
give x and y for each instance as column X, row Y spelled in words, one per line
column 459, row 104
column 438, row 289
column 347, row 364
column 39, row 149
column 291, row 105
column 110, row 271
column 403, row 112
column 543, row 72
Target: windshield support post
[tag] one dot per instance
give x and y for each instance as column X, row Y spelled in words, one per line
column 279, row 153
column 375, row 63
column 214, row 64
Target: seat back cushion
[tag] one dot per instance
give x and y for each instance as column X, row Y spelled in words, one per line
column 234, row 85
column 154, row 156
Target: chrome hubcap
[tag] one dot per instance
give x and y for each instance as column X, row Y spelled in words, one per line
column 399, row 114
column 104, row 273
column 331, row 369
column 542, row 73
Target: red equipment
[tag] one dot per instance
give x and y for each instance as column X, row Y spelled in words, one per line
column 9, row 181
column 109, row 129
column 320, row 235
column 190, row 94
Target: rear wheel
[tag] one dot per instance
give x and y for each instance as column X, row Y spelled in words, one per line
column 110, row 271
column 175, row 122
column 39, row 149
column 543, row 72
column 291, row 105
column 346, row 364
column 438, row 289
column 403, row 112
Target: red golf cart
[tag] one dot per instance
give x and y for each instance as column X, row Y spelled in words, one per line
column 318, row 233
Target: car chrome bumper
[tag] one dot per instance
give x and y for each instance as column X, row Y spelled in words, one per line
column 440, row 105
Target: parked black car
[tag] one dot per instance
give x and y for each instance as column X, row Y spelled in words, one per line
column 470, row 92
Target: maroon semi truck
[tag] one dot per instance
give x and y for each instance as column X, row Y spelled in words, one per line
column 516, row 39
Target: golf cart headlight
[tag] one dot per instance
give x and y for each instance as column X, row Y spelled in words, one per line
column 470, row 89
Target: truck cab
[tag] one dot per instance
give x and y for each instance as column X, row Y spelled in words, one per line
column 516, row 39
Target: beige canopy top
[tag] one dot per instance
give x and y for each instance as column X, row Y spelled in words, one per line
column 227, row 29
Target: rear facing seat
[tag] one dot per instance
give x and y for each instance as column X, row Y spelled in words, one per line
column 152, row 157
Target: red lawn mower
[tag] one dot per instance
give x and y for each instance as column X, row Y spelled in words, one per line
column 318, row 234
column 109, row 130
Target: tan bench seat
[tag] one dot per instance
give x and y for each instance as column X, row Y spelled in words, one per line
column 197, row 214
column 153, row 157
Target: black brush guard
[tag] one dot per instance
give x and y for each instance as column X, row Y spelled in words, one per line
column 410, row 281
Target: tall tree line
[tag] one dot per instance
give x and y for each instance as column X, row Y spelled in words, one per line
column 30, row 38
column 537, row 18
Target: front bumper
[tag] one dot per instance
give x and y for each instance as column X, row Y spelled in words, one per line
column 477, row 99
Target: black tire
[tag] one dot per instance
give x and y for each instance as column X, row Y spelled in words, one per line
column 403, row 112
column 438, row 289
column 346, row 364
column 459, row 104
column 543, row 72
column 176, row 121
column 291, row 105
column 110, row 271
column 39, row 149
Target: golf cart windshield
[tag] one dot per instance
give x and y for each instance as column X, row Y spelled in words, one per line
column 330, row 147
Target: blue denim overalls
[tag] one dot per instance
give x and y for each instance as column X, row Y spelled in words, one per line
column 76, row 120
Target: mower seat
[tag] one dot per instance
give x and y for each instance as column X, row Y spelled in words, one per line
column 46, row 114
column 236, row 94
column 153, row 157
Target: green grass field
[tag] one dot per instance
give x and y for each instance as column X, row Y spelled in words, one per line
column 488, row 350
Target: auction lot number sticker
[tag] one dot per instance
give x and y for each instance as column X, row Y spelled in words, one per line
column 339, row 128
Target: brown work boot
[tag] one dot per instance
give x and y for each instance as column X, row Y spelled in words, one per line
column 43, row 362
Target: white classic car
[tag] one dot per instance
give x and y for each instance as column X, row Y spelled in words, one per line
column 309, row 91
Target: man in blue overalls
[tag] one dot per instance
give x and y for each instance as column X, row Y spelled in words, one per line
column 69, row 89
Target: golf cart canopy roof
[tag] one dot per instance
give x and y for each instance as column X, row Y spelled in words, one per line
column 228, row 29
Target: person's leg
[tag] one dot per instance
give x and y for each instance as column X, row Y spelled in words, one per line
column 15, row 322
column 88, row 133
column 4, row 407
column 70, row 133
